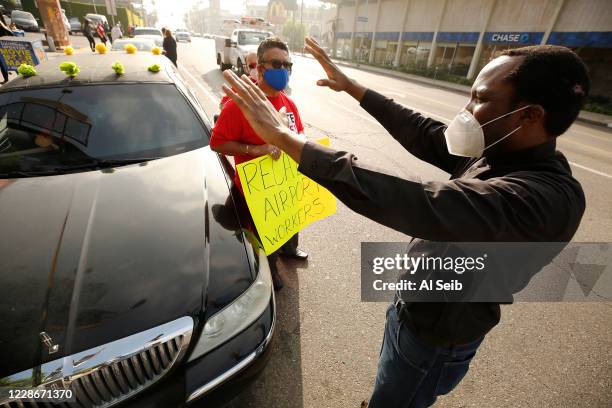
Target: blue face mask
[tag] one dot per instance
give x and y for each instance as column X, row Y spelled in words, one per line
column 277, row 78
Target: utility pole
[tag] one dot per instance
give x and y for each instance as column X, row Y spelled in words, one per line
column 302, row 22
column 94, row 4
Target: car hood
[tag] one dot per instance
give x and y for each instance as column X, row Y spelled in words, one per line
column 96, row 256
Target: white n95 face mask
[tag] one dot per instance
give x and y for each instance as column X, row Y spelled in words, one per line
column 464, row 135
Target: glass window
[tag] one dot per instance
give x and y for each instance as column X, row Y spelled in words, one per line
column 145, row 31
column 251, row 37
column 47, row 129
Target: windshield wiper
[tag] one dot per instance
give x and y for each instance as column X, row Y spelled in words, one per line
column 93, row 164
column 104, row 163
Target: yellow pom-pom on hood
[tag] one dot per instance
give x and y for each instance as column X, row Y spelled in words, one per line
column 130, row 48
column 26, row 70
column 156, row 51
column 118, row 68
column 70, row 68
column 101, row 48
column 68, row 50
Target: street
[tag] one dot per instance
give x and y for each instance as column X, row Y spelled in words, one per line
column 327, row 340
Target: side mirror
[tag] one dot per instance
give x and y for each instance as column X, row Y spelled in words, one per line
column 234, row 44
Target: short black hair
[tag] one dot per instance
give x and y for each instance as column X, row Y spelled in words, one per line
column 271, row 42
column 553, row 77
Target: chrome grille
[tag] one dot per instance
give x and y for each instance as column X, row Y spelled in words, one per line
column 109, row 374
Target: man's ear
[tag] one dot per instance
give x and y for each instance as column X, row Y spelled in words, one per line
column 533, row 114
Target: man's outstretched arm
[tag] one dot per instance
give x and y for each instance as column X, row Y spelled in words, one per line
column 421, row 136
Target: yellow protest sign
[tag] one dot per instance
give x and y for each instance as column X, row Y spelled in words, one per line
column 282, row 200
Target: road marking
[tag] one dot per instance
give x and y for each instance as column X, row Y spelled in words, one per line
column 215, row 100
column 399, row 95
column 580, row 166
column 584, row 146
column 603, row 138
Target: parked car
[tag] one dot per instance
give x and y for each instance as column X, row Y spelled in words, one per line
column 75, row 25
column 141, row 44
column 150, row 32
column 129, row 275
column 182, row 36
column 24, row 21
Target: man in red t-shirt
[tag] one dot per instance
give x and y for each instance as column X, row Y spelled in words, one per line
column 233, row 136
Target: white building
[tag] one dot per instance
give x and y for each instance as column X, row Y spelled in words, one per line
column 464, row 35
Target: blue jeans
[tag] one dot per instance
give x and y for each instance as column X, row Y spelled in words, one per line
column 412, row 374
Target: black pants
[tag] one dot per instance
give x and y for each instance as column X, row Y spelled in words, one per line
column 288, row 247
column 92, row 42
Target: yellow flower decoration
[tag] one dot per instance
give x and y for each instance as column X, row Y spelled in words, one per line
column 26, row 70
column 101, row 48
column 154, row 68
column 70, row 68
column 118, row 68
column 68, row 50
column 130, row 48
column 156, row 50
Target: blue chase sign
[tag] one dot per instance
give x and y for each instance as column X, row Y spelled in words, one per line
column 513, row 38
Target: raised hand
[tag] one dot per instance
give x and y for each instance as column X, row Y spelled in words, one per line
column 257, row 109
column 336, row 79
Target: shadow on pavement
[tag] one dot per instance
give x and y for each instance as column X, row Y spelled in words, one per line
column 280, row 384
column 214, row 79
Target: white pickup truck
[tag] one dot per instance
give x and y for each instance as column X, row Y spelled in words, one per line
column 232, row 51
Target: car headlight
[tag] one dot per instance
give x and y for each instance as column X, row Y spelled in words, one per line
column 239, row 314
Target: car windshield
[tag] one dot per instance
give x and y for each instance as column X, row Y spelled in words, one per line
column 22, row 14
column 144, row 31
column 55, row 130
column 140, row 45
column 251, row 37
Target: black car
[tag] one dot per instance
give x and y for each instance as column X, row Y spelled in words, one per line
column 24, row 21
column 127, row 274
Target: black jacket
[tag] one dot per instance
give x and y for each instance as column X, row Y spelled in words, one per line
column 169, row 45
column 524, row 196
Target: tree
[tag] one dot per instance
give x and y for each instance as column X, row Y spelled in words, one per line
column 294, row 32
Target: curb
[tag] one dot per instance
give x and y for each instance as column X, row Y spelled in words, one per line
column 582, row 116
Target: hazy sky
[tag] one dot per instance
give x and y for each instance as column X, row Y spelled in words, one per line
column 171, row 12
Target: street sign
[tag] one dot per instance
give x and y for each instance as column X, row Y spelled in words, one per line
column 362, row 19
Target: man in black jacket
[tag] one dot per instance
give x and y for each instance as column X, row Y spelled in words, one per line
column 508, row 184
column 88, row 33
column 169, row 45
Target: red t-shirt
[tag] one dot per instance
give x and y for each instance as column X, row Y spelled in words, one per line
column 232, row 126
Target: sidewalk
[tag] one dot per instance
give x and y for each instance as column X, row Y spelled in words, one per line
column 597, row 119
